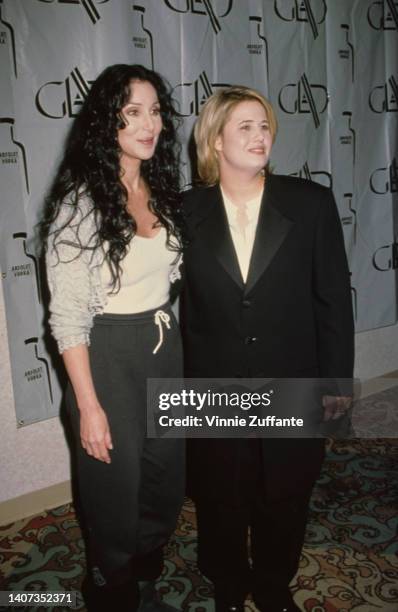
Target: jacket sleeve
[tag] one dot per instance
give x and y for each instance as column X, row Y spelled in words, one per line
column 69, row 278
column 332, row 298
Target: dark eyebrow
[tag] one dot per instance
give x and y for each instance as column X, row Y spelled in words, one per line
column 157, row 103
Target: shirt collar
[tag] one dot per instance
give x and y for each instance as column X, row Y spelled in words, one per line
column 253, row 206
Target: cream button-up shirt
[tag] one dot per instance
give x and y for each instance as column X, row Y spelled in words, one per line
column 243, row 239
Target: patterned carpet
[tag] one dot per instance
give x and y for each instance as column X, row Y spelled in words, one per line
column 349, row 562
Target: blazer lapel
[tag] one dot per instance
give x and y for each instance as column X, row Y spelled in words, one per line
column 216, row 233
column 272, row 229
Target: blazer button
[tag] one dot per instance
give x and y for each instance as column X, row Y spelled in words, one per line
column 250, row 339
column 246, row 303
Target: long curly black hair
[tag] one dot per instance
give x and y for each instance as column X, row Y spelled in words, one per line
column 91, row 166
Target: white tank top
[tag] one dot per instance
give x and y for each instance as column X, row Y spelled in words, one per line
column 145, row 279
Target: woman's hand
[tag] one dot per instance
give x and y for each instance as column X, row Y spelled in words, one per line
column 95, row 434
column 335, row 407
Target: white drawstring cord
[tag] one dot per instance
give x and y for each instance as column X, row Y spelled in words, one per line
column 161, row 317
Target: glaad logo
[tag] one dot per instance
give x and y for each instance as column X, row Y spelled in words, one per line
column 88, row 5
column 320, row 176
column 56, row 99
column 304, row 97
column 37, row 372
column 3, row 40
column 194, row 94
column 350, row 219
column 202, row 7
column 146, row 39
column 25, row 269
column 385, row 258
column 312, row 12
column 349, row 138
column 385, row 180
column 383, row 15
column 384, row 98
column 8, row 157
column 348, row 52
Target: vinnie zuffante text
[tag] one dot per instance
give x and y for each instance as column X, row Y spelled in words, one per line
column 202, row 401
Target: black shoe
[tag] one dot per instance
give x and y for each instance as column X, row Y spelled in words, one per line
column 229, row 607
column 103, row 598
column 228, row 604
column 276, row 601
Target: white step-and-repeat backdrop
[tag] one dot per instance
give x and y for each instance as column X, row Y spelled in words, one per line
column 330, row 67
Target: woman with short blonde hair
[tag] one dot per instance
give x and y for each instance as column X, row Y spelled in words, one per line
column 266, row 295
column 211, row 122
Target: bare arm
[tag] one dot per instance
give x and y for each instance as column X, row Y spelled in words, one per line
column 95, row 434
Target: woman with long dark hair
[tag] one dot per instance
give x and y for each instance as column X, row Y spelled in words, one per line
column 112, row 231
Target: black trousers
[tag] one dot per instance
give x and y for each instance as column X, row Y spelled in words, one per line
column 276, row 535
column 129, row 507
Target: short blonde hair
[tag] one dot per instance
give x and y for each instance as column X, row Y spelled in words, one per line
column 212, row 119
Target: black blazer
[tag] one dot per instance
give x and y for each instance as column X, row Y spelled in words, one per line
column 292, row 318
